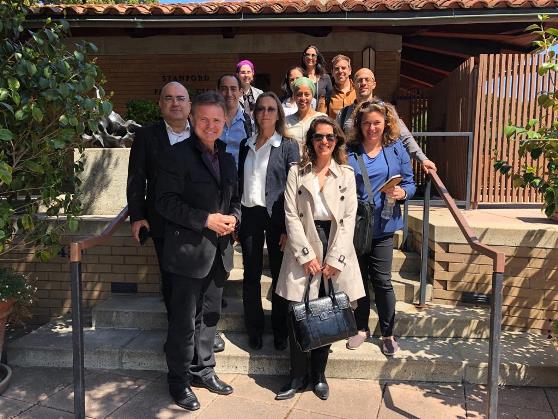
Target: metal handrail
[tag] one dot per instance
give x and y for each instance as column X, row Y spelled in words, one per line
column 498, row 262
column 77, row 309
column 498, row 259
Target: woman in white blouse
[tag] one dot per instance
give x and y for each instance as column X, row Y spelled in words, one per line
column 298, row 123
column 264, row 161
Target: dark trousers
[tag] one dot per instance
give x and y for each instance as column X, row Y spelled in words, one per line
column 159, row 243
column 195, row 309
column 376, row 268
column 314, row 361
column 257, row 228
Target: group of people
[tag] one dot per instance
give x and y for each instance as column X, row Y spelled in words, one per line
column 239, row 164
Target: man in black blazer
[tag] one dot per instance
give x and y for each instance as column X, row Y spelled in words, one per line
column 197, row 195
column 149, row 144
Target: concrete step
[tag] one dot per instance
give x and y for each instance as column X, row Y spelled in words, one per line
column 148, row 313
column 408, row 261
column 527, row 359
column 405, row 284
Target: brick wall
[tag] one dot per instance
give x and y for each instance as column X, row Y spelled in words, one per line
column 120, row 260
column 530, row 280
column 141, row 76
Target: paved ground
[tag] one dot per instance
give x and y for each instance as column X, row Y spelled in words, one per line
column 46, row 393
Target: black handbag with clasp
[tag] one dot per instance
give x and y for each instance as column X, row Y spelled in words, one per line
column 322, row 321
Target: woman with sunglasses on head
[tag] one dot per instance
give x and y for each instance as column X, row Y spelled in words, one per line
column 288, row 99
column 320, row 210
column 245, row 71
column 264, row 161
column 314, row 64
column 298, row 123
column 376, row 141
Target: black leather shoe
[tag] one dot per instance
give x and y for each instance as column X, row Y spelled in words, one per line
column 187, row 400
column 255, row 342
column 321, row 388
column 280, row 344
column 213, row 384
column 219, row 343
column 295, row 385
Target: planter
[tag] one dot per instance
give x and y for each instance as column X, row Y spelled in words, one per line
column 5, row 310
column 5, row 371
column 5, row 377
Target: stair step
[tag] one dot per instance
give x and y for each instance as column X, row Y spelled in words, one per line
column 527, row 359
column 148, row 313
column 405, row 284
column 408, row 261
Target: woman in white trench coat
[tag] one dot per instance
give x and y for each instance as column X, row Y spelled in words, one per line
column 320, row 210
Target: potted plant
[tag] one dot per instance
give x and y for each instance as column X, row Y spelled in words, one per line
column 539, row 137
column 17, row 292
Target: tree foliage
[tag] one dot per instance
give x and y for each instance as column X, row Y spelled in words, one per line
column 49, row 96
column 539, row 137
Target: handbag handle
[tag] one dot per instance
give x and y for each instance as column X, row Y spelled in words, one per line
column 331, row 293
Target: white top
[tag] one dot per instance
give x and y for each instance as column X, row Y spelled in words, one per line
column 176, row 137
column 255, row 170
column 321, row 210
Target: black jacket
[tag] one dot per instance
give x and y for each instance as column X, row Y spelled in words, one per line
column 187, row 192
column 148, row 145
column 280, row 160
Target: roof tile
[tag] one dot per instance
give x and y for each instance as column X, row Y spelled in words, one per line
column 285, row 6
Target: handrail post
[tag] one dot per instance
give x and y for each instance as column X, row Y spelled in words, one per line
column 405, row 225
column 77, row 332
column 425, row 239
column 494, row 344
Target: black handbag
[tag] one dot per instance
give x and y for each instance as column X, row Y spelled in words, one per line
column 322, row 321
column 364, row 220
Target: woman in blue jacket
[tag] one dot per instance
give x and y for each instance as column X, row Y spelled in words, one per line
column 376, row 139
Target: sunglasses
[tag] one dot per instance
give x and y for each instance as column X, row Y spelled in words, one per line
column 319, row 137
column 310, row 55
column 269, row 109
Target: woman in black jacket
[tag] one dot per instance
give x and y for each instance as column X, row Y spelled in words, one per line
column 264, row 161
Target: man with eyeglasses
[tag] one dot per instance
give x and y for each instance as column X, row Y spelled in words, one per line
column 148, row 145
column 365, row 83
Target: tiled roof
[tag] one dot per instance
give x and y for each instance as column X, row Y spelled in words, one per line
column 286, row 7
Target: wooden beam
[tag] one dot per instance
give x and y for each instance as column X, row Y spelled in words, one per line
column 426, row 67
column 436, row 50
column 417, row 81
column 520, row 40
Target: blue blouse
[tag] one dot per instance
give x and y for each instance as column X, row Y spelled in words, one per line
column 392, row 160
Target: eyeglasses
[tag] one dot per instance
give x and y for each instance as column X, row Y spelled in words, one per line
column 319, row 137
column 180, row 99
column 310, row 55
column 364, row 80
column 269, row 109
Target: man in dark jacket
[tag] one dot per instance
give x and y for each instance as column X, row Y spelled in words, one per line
column 197, row 195
column 149, row 144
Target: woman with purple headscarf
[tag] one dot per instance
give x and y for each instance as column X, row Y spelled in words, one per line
column 245, row 71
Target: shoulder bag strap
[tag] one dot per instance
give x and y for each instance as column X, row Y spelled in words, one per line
column 366, row 180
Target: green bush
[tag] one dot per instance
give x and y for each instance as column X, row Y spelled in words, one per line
column 142, row 111
column 539, row 138
column 50, row 94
